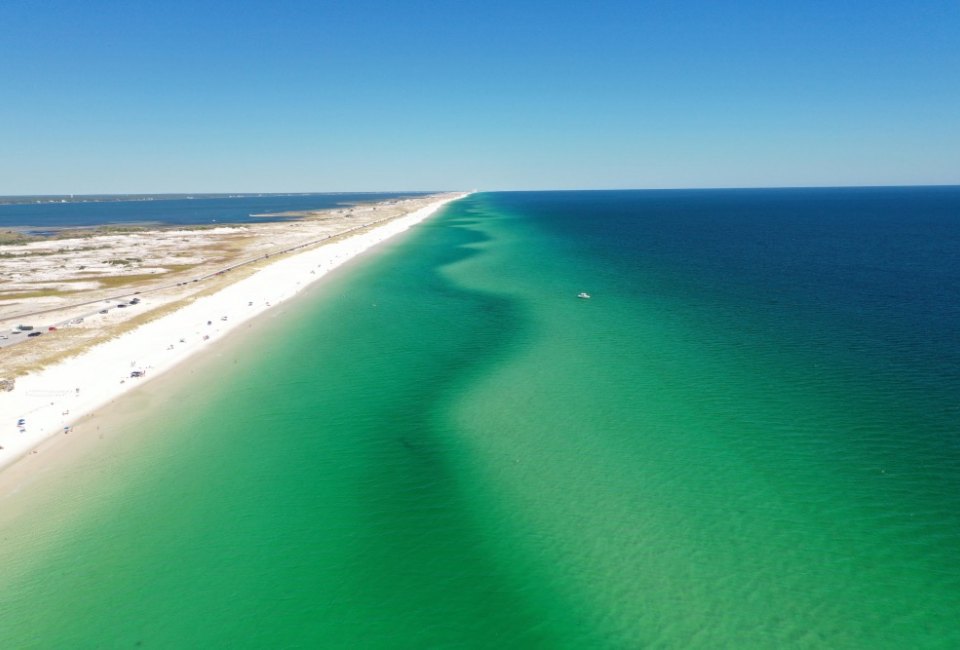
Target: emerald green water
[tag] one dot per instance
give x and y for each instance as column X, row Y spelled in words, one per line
column 442, row 447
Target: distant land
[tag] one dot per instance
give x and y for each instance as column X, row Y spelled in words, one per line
column 104, row 198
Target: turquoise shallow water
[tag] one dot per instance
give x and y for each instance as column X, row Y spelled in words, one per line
column 747, row 438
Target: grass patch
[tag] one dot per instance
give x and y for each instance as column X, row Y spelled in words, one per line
column 177, row 268
column 114, row 281
column 37, row 293
column 15, row 237
column 15, row 365
column 227, row 248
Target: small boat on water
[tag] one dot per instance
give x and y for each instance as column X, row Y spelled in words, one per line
column 584, row 295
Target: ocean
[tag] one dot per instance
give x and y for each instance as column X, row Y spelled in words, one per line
column 748, row 437
column 41, row 215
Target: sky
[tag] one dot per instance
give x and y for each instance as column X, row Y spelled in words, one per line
column 362, row 95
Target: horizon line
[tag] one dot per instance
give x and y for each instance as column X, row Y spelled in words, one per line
column 253, row 193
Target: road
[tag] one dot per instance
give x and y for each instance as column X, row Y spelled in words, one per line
column 111, row 302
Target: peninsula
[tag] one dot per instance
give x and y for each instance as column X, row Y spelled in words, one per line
column 88, row 315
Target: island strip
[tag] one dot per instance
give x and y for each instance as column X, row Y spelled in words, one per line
column 52, row 399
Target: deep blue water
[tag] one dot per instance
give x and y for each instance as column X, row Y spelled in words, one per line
column 181, row 212
column 878, row 264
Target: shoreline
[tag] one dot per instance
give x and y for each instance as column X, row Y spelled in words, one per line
column 50, row 401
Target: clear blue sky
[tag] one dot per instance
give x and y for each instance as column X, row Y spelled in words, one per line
column 169, row 96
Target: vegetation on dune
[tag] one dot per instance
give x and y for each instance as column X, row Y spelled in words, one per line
column 36, row 293
column 8, row 237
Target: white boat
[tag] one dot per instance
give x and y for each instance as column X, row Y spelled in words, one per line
column 583, row 294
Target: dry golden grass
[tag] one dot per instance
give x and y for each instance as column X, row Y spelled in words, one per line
column 14, row 237
column 133, row 280
column 54, row 347
column 38, row 293
column 13, row 363
column 117, row 281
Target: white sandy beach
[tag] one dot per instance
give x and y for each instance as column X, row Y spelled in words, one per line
column 49, row 402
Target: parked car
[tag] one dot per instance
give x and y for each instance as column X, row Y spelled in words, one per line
column 34, row 333
column 51, row 329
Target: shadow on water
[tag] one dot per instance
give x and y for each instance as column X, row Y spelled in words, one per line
column 333, row 514
column 421, row 551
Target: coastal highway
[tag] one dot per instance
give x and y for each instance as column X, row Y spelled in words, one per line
column 13, row 337
column 28, row 318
